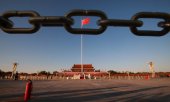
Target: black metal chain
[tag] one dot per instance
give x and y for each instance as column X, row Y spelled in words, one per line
column 5, row 23
column 164, row 16
column 9, row 14
column 67, row 21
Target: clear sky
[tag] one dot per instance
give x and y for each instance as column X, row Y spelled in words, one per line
column 53, row 48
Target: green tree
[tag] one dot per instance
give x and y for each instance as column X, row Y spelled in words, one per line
column 1, row 72
column 112, row 72
column 43, row 72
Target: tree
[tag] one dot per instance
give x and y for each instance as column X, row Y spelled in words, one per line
column 55, row 72
column 1, row 72
column 112, row 72
column 42, row 73
column 48, row 73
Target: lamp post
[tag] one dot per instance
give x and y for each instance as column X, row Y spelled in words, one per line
column 151, row 66
column 14, row 70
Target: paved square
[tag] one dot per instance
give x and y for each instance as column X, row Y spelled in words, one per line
column 154, row 90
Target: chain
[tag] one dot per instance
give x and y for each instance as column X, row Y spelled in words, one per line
column 5, row 23
column 67, row 21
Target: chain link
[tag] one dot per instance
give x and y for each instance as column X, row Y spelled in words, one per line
column 5, row 23
column 51, row 21
column 122, row 23
column 9, row 14
column 164, row 16
column 67, row 21
column 96, row 13
column 164, row 24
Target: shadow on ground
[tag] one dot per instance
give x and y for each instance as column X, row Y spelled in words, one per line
column 101, row 94
column 108, row 94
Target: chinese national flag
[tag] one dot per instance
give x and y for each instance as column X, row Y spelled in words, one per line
column 85, row 21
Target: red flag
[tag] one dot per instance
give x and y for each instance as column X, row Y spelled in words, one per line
column 85, row 21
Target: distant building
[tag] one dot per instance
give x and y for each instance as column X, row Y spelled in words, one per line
column 85, row 67
column 88, row 70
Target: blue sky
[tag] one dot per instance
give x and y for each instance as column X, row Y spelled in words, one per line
column 53, row 48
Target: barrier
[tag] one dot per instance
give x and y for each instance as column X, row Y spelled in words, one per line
column 53, row 77
column 28, row 90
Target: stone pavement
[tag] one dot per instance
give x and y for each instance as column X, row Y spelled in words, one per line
column 153, row 90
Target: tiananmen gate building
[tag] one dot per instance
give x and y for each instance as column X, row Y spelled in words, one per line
column 86, row 69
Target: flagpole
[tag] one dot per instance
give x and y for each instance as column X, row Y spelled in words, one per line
column 81, row 51
column 83, row 22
